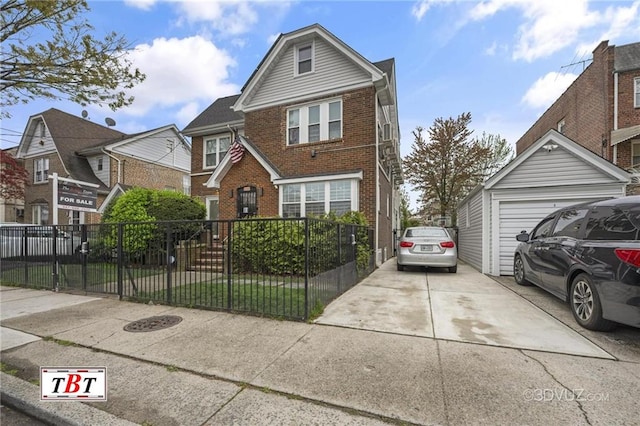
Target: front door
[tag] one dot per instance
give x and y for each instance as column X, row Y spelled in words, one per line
column 213, row 214
column 247, row 204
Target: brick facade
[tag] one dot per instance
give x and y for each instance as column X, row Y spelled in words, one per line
column 590, row 111
column 135, row 172
column 583, row 107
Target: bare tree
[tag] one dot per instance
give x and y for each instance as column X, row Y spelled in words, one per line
column 444, row 167
column 48, row 51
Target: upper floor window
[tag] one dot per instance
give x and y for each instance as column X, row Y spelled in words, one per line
column 100, row 164
column 214, row 150
column 314, row 123
column 304, row 59
column 636, row 92
column 40, row 170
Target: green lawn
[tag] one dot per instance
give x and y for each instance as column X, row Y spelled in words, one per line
column 271, row 300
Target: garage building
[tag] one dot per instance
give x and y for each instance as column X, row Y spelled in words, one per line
column 552, row 173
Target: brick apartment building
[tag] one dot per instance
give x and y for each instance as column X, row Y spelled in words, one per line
column 601, row 109
column 319, row 128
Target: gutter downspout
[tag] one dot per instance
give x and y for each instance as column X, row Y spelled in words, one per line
column 119, row 164
column 377, row 211
column 615, row 114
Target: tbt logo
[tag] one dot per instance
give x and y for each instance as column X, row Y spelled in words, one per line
column 73, row 383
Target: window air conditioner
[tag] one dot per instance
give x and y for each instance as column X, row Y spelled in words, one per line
column 386, row 132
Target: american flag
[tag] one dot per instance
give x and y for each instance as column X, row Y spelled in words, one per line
column 237, row 150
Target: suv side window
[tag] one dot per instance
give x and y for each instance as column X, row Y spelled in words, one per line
column 610, row 223
column 543, row 229
column 569, row 222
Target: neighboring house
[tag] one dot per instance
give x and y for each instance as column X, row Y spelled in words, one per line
column 12, row 209
column 552, row 173
column 601, row 109
column 320, row 133
column 76, row 148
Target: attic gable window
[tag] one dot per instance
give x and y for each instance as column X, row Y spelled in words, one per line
column 304, row 59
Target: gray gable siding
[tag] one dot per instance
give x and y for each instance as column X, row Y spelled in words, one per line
column 470, row 237
column 34, row 146
column 103, row 174
column 164, row 148
column 548, row 168
column 333, row 71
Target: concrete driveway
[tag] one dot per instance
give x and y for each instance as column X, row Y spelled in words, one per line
column 465, row 307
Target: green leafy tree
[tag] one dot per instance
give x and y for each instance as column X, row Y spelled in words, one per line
column 406, row 216
column 500, row 153
column 443, row 167
column 49, row 51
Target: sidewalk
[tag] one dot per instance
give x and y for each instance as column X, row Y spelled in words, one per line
column 215, row 368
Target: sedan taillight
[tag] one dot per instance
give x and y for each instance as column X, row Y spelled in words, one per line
column 447, row 244
column 631, row 256
column 406, row 244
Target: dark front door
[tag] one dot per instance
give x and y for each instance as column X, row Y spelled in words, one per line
column 247, row 201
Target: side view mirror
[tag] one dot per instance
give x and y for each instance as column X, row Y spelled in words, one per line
column 522, row 237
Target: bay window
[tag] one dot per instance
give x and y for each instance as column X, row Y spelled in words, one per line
column 314, row 123
column 318, row 198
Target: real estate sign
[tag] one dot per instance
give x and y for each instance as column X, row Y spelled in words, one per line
column 74, row 196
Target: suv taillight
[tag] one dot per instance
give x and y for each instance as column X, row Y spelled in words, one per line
column 447, row 244
column 406, row 244
column 631, row 256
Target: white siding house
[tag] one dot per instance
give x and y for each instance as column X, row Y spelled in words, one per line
column 552, row 173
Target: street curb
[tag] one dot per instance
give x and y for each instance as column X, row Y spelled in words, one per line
column 25, row 397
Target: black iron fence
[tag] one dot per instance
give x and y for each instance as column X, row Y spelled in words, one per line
column 289, row 268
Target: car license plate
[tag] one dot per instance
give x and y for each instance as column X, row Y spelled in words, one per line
column 426, row 248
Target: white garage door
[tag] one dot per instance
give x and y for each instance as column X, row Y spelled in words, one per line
column 516, row 216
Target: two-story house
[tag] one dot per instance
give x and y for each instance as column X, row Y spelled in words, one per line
column 76, row 148
column 11, row 208
column 600, row 110
column 319, row 126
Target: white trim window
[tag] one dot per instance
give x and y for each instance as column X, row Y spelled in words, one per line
column 40, row 214
column 561, row 126
column 635, row 155
column 314, row 123
column 318, row 198
column 40, row 170
column 304, row 59
column 636, row 92
column 215, row 150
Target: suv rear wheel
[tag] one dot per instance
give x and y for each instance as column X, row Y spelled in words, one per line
column 585, row 305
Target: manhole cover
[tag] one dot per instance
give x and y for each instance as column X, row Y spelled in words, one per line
column 153, row 323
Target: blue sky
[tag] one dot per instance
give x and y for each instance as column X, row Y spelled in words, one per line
column 504, row 61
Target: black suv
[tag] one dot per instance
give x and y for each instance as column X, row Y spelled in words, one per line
column 588, row 255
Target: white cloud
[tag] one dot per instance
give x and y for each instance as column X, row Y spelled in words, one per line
column 180, row 71
column 232, row 17
column 491, row 50
column 272, row 38
column 188, row 112
column 420, row 8
column 551, row 25
column 141, row 4
column 547, row 89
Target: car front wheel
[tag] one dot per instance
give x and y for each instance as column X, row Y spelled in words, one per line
column 585, row 305
column 518, row 271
